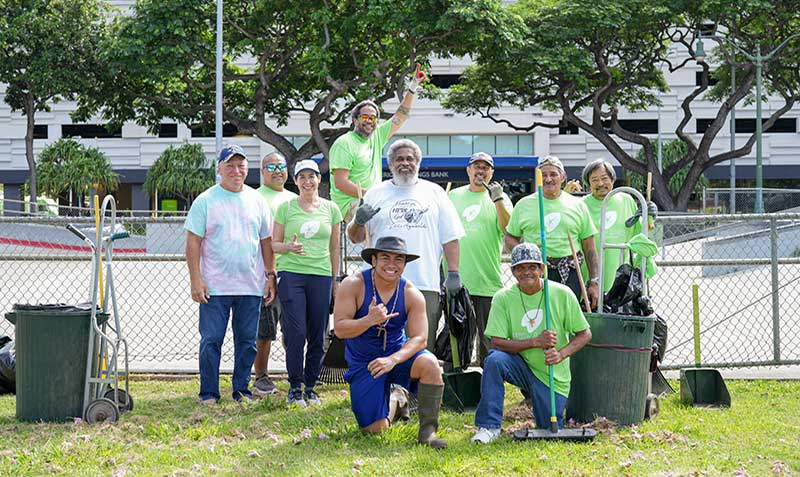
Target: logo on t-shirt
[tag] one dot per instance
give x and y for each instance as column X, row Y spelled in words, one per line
column 471, row 212
column 532, row 319
column 310, row 228
column 611, row 218
column 407, row 213
column 551, row 221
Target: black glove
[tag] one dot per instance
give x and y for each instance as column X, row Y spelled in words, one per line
column 452, row 284
column 652, row 211
column 364, row 212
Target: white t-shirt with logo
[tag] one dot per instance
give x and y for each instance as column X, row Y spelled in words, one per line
column 424, row 217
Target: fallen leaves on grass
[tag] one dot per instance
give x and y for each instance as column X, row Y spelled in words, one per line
column 252, row 453
column 305, row 434
column 779, row 467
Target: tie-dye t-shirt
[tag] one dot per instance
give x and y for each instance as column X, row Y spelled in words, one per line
column 232, row 225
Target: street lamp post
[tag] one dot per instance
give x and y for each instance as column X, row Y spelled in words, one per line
column 758, row 59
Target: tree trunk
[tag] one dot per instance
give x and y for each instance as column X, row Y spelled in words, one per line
column 30, row 115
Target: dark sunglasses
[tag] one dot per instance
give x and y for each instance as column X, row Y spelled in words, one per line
column 274, row 167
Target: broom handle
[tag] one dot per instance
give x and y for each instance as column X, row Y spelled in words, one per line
column 580, row 275
column 547, row 323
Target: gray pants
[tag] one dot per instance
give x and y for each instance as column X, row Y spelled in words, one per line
column 482, row 305
column 433, row 309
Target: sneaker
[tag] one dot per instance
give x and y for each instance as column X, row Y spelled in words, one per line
column 243, row 398
column 207, row 402
column 485, row 436
column 296, row 397
column 263, row 385
column 312, row 398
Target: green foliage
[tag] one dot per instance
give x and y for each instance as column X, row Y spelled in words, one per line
column 48, row 53
column 281, row 57
column 184, row 171
column 68, row 165
column 671, row 152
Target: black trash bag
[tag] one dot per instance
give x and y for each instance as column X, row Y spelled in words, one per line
column 8, row 364
column 640, row 306
column 461, row 322
column 660, row 332
column 626, row 287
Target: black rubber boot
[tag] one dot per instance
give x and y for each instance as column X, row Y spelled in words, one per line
column 430, row 400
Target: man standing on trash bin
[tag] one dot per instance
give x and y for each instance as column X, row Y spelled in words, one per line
column 356, row 157
column 523, row 348
column 273, row 178
column 231, row 266
column 622, row 213
column 565, row 216
column 484, row 210
column 381, row 317
column 419, row 211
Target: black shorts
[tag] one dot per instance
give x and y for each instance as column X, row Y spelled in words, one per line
column 268, row 320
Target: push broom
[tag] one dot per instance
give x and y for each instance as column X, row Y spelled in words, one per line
column 554, row 433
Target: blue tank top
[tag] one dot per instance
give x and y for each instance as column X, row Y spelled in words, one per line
column 369, row 345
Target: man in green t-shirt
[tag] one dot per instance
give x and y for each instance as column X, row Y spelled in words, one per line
column 484, row 211
column 523, row 347
column 356, row 157
column 565, row 216
column 273, row 178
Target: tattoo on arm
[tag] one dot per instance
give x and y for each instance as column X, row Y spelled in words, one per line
column 403, row 110
column 592, row 262
column 397, row 121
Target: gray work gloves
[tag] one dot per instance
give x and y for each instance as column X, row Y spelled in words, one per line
column 495, row 190
column 652, row 211
column 364, row 212
column 452, row 284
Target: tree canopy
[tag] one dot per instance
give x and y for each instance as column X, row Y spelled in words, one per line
column 47, row 53
column 305, row 59
column 184, row 171
column 66, row 165
column 592, row 61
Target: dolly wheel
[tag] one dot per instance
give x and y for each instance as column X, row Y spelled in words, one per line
column 101, row 410
column 651, row 407
column 124, row 399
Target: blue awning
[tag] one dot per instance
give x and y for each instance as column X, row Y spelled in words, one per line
column 453, row 168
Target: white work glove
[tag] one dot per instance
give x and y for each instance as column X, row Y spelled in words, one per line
column 495, row 190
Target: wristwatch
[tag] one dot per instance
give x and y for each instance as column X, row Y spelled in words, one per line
column 594, row 280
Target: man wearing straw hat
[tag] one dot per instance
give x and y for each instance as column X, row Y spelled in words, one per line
column 566, row 219
column 374, row 310
column 523, row 347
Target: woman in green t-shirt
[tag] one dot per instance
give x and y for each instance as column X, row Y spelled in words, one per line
column 306, row 266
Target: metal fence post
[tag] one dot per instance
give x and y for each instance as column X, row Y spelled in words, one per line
column 776, row 319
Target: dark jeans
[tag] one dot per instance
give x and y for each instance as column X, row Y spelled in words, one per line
column 243, row 310
column 482, row 305
column 572, row 282
column 305, row 302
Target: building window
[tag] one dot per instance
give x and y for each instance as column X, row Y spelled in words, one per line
column 638, row 126
column 565, row 128
column 466, row 145
column 698, row 78
column 167, row 130
column 748, row 125
column 89, row 131
column 444, row 81
column 228, row 130
column 40, row 131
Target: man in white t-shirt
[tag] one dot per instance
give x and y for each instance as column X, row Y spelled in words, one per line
column 231, row 266
column 420, row 212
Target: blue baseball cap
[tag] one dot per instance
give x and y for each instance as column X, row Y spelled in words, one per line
column 228, row 152
column 481, row 156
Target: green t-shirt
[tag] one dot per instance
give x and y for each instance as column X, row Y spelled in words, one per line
column 563, row 215
column 517, row 316
column 362, row 157
column 313, row 231
column 480, row 248
column 275, row 198
column 618, row 209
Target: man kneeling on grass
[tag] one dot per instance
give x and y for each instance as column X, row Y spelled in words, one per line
column 374, row 310
column 522, row 347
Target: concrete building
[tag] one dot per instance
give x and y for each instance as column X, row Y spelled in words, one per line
column 437, row 131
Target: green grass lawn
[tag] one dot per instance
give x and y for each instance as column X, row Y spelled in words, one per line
column 169, row 434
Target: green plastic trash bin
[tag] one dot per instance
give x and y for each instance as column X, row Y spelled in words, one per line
column 52, row 342
column 609, row 375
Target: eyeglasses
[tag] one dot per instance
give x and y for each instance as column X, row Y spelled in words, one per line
column 367, row 117
column 274, row 167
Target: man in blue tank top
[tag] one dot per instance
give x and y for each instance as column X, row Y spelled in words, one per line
column 374, row 310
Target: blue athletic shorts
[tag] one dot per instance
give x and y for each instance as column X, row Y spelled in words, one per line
column 369, row 397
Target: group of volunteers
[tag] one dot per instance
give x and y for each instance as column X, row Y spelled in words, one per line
column 268, row 256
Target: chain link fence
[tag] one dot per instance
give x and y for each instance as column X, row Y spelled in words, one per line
column 746, row 266
column 743, row 200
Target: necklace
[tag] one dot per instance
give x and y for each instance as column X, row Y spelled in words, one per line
column 382, row 327
column 522, row 300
